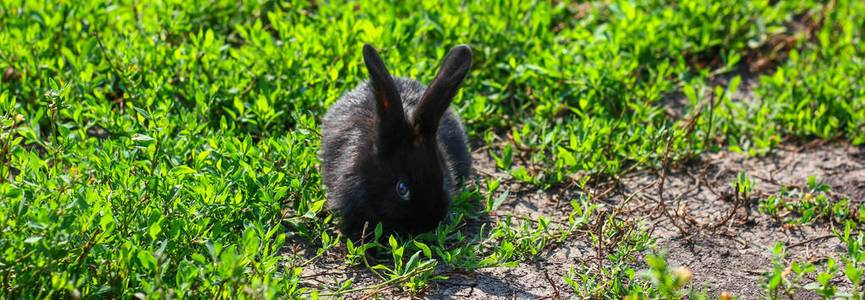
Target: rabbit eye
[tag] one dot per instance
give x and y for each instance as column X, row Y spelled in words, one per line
column 402, row 190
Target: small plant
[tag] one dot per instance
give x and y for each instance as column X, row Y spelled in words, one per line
column 493, row 203
column 773, row 205
column 855, row 256
column 669, row 283
column 611, row 274
column 823, row 286
column 355, row 255
column 785, row 279
column 809, row 204
column 744, row 185
column 415, row 274
column 504, row 161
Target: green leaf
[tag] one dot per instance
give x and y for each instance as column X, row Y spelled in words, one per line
column 141, row 138
column 250, row 241
column 147, row 260
column 499, row 200
column 378, row 231
column 198, row 258
column 314, row 209
column 690, row 93
column 155, row 228
column 628, row 9
column 412, row 262
column 424, row 248
column 144, row 113
column 182, row 170
column 107, row 223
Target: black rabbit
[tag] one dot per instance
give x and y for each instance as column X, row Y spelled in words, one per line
column 394, row 151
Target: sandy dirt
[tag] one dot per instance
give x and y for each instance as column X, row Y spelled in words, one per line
column 729, row 257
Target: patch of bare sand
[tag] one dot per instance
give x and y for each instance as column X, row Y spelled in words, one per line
column 734, row 256
column 729, row 257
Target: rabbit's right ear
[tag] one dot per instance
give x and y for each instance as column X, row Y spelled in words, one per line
column 392, row 121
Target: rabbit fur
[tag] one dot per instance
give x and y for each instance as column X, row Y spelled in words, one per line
column 393, row 151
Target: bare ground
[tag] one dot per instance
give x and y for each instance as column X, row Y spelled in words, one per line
column 735, row 255
column 727, row 252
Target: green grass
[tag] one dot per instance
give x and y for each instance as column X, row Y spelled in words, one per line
column 168, row 148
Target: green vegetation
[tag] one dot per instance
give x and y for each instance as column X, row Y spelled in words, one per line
column 168, row 148
column 787, row 277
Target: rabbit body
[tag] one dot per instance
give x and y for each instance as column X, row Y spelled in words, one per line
column 393, row 151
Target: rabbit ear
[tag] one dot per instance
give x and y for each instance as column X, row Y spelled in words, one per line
column 392, row 121
column 442, row 90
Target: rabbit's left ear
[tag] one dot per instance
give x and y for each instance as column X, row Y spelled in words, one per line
column 442, row 90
